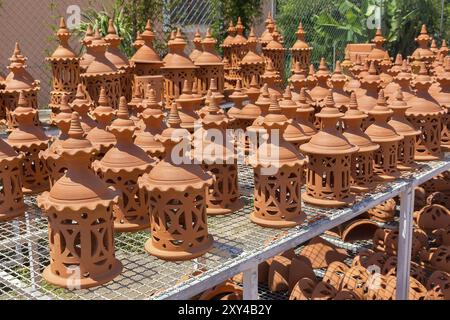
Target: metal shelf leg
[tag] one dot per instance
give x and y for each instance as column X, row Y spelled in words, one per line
column 404, row 243
column 251, row 283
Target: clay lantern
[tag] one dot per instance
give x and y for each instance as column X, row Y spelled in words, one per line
column 274, row 51
column 28, row 140
column 178, row 67
column 354, row 83
column 443, row 98
column 329, row 162
column 230, row 71
column 311, row 79
column 391, row 88
column 347, row 65
column 403, row 80
column 152, row 116
column 239, row 47
column 135, row 104
column 119, row 60
column 384, row 67
column 250, row 111
column 238, row 97
column 267, row 35
column 65, row 69
column 382, row 133
column 426, row 115
column 272, row 78
column 18, row 81
column 371, row 83
column 406, row 147
column 301, row 51
column 362, row 161
column 120, row 168
column 278, row 169
column 82, row 104
column 210, row 66
column 304, row 114
column 434, row 47
column 198, row 48
column 102, row 73
column 377, row 55
column 256, row 130
column 187, row 101
column 177, row 191
column 79, row 210
column 11, row 196
column 320, row 92
column 252, row 63
column 138, row 42
column 87, row 57
column 423, row 53
column 337, row 83
column 298, row 81
column 99, row 136
column 217, row 157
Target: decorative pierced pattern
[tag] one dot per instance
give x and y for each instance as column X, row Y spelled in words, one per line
column 11, row 196
column 406, row 150
column 277, row 57
column 247, row 71
column 428, row 143
column 65, row 79
column 328, row 178
column 55, row 169
column 173, row 83
column 34, row 172
column 204, row 74
column 111, row 83
column 126, row 83
column 156, row 82
column 302, row 56
column 362, row 169
column 445, row 134
column 146, row 69
column 10, row 101
column 385, row 159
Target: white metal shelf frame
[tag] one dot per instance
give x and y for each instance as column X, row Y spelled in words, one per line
column 239, row 247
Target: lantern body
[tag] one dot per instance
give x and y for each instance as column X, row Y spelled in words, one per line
column 11, row 196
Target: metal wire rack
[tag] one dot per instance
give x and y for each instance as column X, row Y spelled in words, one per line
column 238, row 244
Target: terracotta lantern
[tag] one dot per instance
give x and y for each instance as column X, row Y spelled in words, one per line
column 198, row 47
column 371, row 83
column 119, row 60
column 443, row 98
column 87, row 57
column 256, row 131
column 304, row 115
column 434, row 47
column 239, row 48
column 329, row 162
column 267, row 35
column 187, row 101
column 218, row 157
column 391, row 88
column 11, row 196
column 362, row 161
column 210, row 66
column 18, row 81
column 152, row 117
column 278, row 168
column 120, row 168
column 301, row 51
column 354, row 84
column 320, row 91
column 99, row 136
column 272, row 78
column 403, row 80
column 230, row 71
column 145, row 60
column 135, row 104
column 250, row 111
column 406, row 147
column 337, row 83
column 252, row 63
column 346, row 65
column 83, row 104
column 178, row 67
column 274, row 51
column 28, row 140
column 238, row 97
column 423, row 52
column 311, row 79
column 298, row 80
column 138, row 42
column 384, row 66
column 377, row 55
column 177, row 192
column 65, row 69
column 102, row 73
column 382, row 133
column 79, row 210
column 426, row 115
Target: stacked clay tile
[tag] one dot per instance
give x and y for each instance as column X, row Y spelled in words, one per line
column 119, row 60
column 120, row 168
column 29, row 139
column 362, row 161
column 152, row 117
column 11, row 196
column 178, row 67
column 423, row 52
column 65, row 69
column 329, row 162
column 274, row 51
column 238, row 49
column 188, row 103
column 83, row 104
column 252, row 63
column 100, row 138
column 301, row 51
column 426, row 115
column 210, row 65
column 218, row 157
column 278, row 169
column 79, row 211
column 102, row 73
column 177, row 191
column 382, row 133
column 18, row 81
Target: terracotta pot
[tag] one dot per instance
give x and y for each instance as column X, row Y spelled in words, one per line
column 99, row 136
column 152, row 116
column 323, row 291
column 303, row 289
column 28, row 139
column 362, row 161
column 320, row 91
column 386, row 240
column 439, row 198
column 300, row 268
column 300, row 50
column 120, row 168
column 82, row 104
column 382, row 133
column 11, row 197
column 335, row 274
column 432, row 217
column 65, row 68
column 82, row 251
column 322, row 253
column 329, row 162
column 278, row 168
column 417, row 272
column 384, row 212
column 177, row 200
column 438, row 258
column 359, row 229
column 355, row 279
column 369, row 258
column 274, row 51
column 337, row 82
column 279, row 274
column 417, row 291
column 438, row 286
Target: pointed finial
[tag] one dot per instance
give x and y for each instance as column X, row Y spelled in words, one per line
column 323, row 65
column 399, row 95
column 302, row 95
column 274, row 107
column 173, row 119
column 64, row 105
column 312, row 70
column 287, row 95
column 103, row 99
column 372, row 69
column 62, row 23
column 122, row 112
column 213, row 85
column 378, row 33
column 186, row 87
column 80, row 92
column 238, row 87
column 423, row 69
column 148, row 25
column 381, row 98
column 297, row 68
column 75, row 130
column 424, row 29
column 111, row 28
column 137, row 92
column 89, row 30
column 23, row 101
column 399, row 59
column 353, row 105
column 212, row 106
column 338, row 69
column 329, row 100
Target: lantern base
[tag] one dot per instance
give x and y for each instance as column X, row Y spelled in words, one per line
column 12, row 214
column 363, row 188
column 407, row 167
column 278, row 224
column 222, row 211
column 179, row 255
column 387, row 177
column 328, row 203
column 89, row 282
column 427, row 157
column 130, row 227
